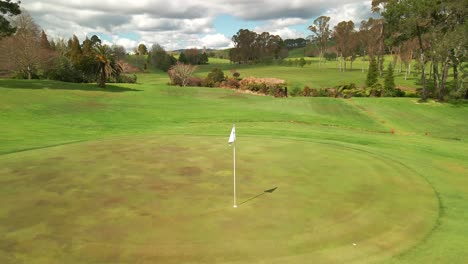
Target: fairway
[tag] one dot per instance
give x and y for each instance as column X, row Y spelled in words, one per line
column 142, row 173
column 168, row 199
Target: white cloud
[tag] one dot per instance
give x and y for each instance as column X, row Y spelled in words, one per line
column 281, row 27
column 217, row 41
column 355, row 12
column 181, row 23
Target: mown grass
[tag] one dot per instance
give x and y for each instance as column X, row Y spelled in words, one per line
column 151, row 181
column 326, row 75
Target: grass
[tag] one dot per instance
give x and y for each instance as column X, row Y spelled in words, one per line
column 326, row 76
column 141, row 173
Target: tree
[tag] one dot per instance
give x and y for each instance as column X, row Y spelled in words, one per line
column 203, row 58
column 322, row 32
column 44, row 42
column 183, row 58
column 370, row 39
column 119, row 52
column 295, row 43
column 346, row 40
column 407, row 19
column 95, row 40
column 160, row 59
column 389, row 81
column 74, row 50
column 106, row 66
column 252, row 47
column 373, row 73
column 192, row 56
column 407, row 54
column 8, row 9
column 142, row 50
column 22, row 52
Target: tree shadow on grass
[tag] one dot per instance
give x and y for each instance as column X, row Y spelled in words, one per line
column 459, row 103
column 55, row 85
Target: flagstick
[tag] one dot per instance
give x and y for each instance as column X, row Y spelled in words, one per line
column 234, row 156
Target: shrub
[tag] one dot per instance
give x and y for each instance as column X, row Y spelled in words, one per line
column 302, row 62
column 216, row 76
column 231, row 83
column 329, row 56
column 345, row 90
column 126, row 79
column 63, row 70
column 376, row 90
column 180, row 73
column 270, row 86
column 295, row 91
column 307, row 91
column 195, row 81
column 321, row 93
column 235, row 74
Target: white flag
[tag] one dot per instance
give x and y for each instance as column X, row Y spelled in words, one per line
column 232, row 137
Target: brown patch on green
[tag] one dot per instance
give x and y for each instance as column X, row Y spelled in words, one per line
column 170, row 149
column 113, row 201
column 100, row 253
column 191, row 171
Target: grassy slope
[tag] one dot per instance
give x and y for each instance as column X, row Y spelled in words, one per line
column 325, row 77
column 32, row 116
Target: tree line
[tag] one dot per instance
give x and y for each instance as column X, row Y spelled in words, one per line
column 28, row 53
column 432, row 32
column 252, row 47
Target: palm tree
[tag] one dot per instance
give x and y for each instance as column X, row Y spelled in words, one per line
column 106, row 64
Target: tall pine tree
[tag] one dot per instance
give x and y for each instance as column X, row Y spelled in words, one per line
column 373, row 73
column 389, row 81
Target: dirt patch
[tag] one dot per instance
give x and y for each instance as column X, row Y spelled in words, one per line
column 113, row 201
column 191, row 171
column 169, row 149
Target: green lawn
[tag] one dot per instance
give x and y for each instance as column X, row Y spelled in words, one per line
column 141, row 173
column 326, row 76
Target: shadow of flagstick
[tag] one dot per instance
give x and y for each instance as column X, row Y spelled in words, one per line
column 258, row 195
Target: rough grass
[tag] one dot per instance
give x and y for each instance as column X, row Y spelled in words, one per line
column 145, row 176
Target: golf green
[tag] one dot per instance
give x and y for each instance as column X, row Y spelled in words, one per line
column 169, row 199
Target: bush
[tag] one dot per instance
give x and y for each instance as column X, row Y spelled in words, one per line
column 376, row 90
column 126, row 79
column 63, row 70
column 307, row 91
column 195, row 81
column 231, row 83
column 180, row 73
column 329, row 56
column 270, row 86
column 215, row 77
column 302, row 62
column 235, row 74
column 345, row 90
column 295, row 91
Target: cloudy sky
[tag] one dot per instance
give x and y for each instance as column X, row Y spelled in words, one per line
column 178, row 24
